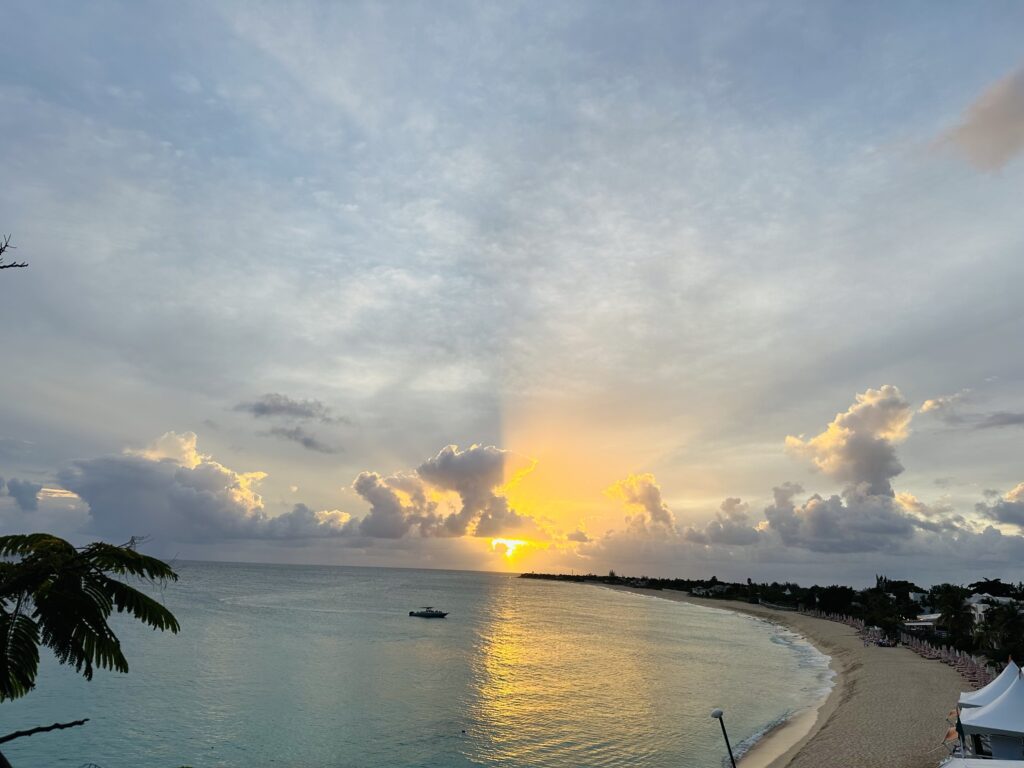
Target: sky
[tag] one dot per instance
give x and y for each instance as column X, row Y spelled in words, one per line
column 673, row 289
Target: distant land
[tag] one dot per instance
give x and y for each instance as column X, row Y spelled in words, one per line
column 983, row 617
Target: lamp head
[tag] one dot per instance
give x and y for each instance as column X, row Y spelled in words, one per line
column 717, row 714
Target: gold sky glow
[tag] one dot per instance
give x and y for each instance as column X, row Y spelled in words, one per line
column 509, row 546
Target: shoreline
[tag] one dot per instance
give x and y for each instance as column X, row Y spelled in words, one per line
column 886, row 707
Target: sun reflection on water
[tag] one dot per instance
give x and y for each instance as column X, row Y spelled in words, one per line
column 546, row 687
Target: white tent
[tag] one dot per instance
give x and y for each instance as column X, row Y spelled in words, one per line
column 992, row 691
column 959, row 762
column 1001, row 722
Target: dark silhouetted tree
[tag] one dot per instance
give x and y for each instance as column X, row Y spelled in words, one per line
column 56, row 595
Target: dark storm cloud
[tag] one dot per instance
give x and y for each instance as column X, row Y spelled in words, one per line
column 273, row 404
column 299, row 435
column 24, row 492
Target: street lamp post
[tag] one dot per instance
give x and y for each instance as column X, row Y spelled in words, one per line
column 717, row 714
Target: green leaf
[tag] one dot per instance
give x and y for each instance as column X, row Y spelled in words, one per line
column 55, row 595
column 19, row 655
column 141, row 606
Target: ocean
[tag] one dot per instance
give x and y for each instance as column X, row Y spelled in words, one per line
column 322, row 667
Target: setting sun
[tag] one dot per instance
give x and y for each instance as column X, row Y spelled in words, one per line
column 509, row 545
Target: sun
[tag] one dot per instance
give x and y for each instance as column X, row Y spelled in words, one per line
column 509, row 545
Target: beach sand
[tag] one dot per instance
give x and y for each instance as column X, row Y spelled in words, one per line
column 887, row 710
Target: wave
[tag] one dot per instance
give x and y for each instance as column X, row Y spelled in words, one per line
column 748, row 743
column 808, row 657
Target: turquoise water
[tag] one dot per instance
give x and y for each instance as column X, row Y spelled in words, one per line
column 316, row 667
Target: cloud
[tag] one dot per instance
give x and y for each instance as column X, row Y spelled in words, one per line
column 171, row 446
column 945, row 407
column 578, row 536
column 991, row 132
column 731, row 526
column 305, row 523
column 642, row 494
column 1007, row 509
column 298, row 435
column 852, row 522
column 397, row 505
column 858, row 446
column 401, row 504
column 1001, row 419
column 24, row 492
column 475, row 474
column 936, row 518
column 172, row 492
column 273, row 404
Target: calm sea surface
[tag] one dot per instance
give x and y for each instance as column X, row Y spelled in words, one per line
column 320, row 667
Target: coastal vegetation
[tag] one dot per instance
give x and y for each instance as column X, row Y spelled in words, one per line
column 58, row 596
column 984, row 617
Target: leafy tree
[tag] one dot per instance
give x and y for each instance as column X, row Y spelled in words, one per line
column 1002, row 633
column 56, row 595
column 955, row 615
column 59, row 596
column 836, row 599
column 881, row 611
column 994, row 587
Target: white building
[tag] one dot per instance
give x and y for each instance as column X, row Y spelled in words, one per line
column 980, row 603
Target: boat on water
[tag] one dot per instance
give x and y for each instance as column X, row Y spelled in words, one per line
column 428, row 612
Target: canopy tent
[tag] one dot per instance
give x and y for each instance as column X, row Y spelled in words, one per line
column 993, row 690
column 959, row 762
column 1004, row 716
column 1000, row 724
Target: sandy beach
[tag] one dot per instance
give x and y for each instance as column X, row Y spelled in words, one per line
column 887, row 709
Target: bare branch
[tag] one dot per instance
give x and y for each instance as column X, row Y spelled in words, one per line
column 5, row 244
column 42, row 729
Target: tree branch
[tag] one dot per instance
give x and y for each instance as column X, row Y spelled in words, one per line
column 5, row 244
column 41, row 729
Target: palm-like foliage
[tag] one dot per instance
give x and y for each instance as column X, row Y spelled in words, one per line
column 956, row 616
column 56, row 595
column 1002, row 634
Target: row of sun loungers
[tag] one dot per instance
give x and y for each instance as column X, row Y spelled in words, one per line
column 973, row 669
